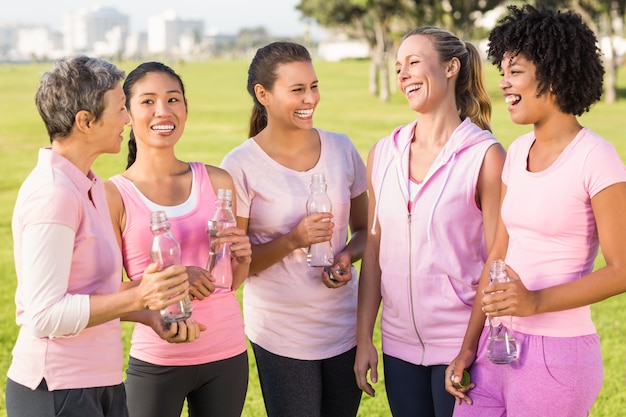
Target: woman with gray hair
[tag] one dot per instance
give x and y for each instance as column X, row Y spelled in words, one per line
column 68, row 357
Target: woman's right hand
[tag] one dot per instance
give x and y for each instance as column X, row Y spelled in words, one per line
column 453, row 375
column 159, row 289
column 366, row 360
column 313, row 228
column 201, row 283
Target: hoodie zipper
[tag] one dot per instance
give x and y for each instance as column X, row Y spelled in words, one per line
column 413, row 321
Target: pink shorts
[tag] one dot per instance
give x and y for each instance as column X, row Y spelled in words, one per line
column 553, row 377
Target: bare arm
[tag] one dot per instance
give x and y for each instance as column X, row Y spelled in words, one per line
column 170, row 284
column 469, row 347
column 489, row 188
column 311, row 229
column 608, row 206
column 369, row 297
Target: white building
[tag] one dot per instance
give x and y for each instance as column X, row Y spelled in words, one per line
column 337, row 46
column 96, row 29
column 38, row 42
column 167, row 33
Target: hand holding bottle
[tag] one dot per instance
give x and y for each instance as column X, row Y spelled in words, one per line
column 319, row 253
column 200, row 283
column 501, row 344
column 183, row 331
column 162, row 287
column 511, row 298
column 165, row 251
column 219, row 263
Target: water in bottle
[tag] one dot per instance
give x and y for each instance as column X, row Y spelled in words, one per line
column 319, row 254
column 165, row 250
column 501, row 345
column 219, row 263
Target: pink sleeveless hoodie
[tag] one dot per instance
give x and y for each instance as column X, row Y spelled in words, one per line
column 431, row 256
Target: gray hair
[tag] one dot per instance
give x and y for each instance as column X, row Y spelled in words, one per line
column 74, row 83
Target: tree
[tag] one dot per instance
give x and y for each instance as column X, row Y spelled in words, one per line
column 382, row 23
column 457, row 16
column 371, row 20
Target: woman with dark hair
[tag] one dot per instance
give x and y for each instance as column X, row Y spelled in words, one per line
column 211, row 373
column 434, row 195
column 563, row 198
column 68, row 357
column 300, row 321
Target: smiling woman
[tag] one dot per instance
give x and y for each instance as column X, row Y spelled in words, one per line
column 434, row 189
column 217, row 122
column 564, row 198
column 300, row 321
column 173, row 363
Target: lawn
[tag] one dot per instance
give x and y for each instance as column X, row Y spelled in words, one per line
column 219, row 109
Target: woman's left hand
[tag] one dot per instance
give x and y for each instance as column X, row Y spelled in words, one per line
column 339, row 274
column 240, row 247
column 177, row 332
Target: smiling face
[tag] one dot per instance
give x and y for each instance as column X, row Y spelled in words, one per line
column 422, row 77
column 158, row 110
column 520, row 86
column 111, row 124
column 294, row 96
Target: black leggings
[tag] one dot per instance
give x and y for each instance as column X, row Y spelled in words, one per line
column 415, row 390
column 308, row 388
column 214, row 389
column 21, row 401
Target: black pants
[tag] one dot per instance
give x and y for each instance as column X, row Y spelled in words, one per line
column 214, row 389
column 21, row 401
column 415, row 390
column 308, row 388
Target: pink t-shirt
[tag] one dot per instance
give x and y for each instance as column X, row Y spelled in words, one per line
column 220, row 312
column 552, row 232
column 287, row 308
column 72, row 254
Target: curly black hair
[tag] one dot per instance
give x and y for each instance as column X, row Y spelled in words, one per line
column 563, row 49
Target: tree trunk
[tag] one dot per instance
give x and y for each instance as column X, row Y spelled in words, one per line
column 610, row 85
column 385, row 94
column 373, row 76
column 380, row 52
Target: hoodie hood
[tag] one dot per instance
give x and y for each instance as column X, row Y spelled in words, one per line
column 464, row 136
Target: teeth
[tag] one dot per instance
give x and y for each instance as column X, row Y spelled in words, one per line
column 512, row 99
column 411, row 88
column 304, row 113
column 163, row 128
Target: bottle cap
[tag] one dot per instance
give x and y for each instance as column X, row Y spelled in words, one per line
column 497, row 267
column 318, row 178
column 158, row 217
column 225, row 194
column 464, row 382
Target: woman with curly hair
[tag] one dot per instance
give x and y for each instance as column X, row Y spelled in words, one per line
column 563, row 198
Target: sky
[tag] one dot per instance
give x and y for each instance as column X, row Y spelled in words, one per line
column 279, row 17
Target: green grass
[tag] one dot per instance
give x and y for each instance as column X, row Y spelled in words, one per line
column 219, row 108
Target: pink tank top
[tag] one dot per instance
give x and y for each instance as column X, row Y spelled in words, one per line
column 224, row 337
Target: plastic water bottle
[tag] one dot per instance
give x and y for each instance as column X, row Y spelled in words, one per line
column 165, row 250
column 319, row 254
column 219, row 264
column 501, row 345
